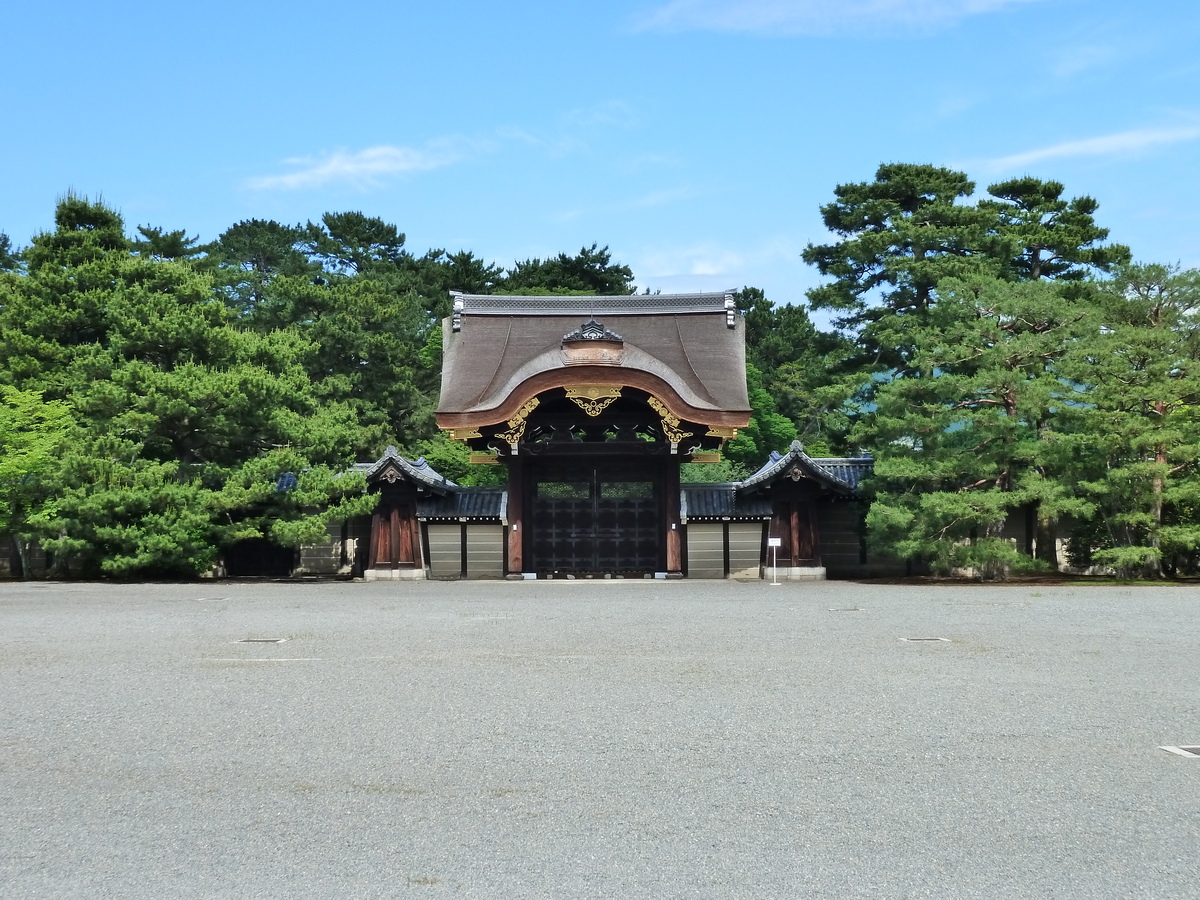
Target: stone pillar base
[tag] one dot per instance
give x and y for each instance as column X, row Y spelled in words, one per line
column 394, row 575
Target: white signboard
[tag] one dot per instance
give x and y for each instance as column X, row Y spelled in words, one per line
column 774, row 542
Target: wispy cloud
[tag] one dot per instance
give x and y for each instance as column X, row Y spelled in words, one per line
column 659, row 197
column 1123, row 142
column 1081, row 59
column 365, row 168
column 813, row 17
column 377, row 165
column 711, row 259
column 555, row 145
column 608, row 114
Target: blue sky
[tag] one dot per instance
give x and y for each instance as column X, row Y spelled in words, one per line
column 697, row 138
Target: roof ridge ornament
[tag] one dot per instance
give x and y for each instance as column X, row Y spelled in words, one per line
column 456, row 320
column 591, row 330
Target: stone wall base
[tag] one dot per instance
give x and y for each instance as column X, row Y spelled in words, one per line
column 394, row 575
column 796, row 573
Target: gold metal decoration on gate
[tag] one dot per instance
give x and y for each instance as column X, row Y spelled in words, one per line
column 593, row 399
column 670, row 421
column 724, row 432
column 516, row 425
column 463, row 434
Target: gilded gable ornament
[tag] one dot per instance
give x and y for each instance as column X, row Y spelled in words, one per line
column 593, row 399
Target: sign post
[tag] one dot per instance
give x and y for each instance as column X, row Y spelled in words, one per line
column 774, row 543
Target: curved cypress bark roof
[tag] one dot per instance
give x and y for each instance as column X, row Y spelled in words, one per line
column 687, row 349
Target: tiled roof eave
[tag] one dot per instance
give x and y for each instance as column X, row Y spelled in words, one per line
column 421, row 472
column 816, row 468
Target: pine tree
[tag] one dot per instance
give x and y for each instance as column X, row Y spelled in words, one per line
column 184, row 423
column 957, row 439
column 1137, row 418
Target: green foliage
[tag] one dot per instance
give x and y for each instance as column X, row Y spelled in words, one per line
column 250, row 254
column 803, row 368
column 452, row 459
column 161, row 398
column 158, row 244
column 1137, row 414
column 33, row 433
column 1040, row 235
column 591, row 271
column 767, row 431
column 351, row 243
column 900, row 235
column 705, row 473
column 10, row 257
column 186, row 422
column 958, row 437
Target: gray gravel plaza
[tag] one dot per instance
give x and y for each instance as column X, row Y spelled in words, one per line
column 598, row 739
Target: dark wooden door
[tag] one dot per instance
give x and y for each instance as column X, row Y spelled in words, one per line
column 595, row 518
column 393, row 535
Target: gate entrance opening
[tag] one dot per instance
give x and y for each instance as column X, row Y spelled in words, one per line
column 596, row 518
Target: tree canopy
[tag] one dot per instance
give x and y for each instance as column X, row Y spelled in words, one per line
column 162, row 398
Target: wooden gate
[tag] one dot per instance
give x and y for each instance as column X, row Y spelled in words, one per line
column 596, row 519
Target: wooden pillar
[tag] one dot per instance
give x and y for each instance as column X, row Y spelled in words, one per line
column 674, row 538
column 394, row 534
column 810, row 554
column 376, row 529
column 794, row 531
column 516, row 524
column 407, row 553
column 780, row 527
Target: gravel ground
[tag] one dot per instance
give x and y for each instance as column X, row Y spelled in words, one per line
column 598, row 739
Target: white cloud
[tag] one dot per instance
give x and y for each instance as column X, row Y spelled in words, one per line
column 609, row 114
column 364, row 167
column 1123, row 142
column 709, row 259
column 813, row 16
column 556, row 146
column 374, row 165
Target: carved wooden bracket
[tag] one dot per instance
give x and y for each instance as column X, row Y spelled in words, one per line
column 670, row 421
column 516, row 425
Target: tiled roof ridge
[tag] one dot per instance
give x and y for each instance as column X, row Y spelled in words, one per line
column 418, row 469
column 594, row 304
column 777, row 463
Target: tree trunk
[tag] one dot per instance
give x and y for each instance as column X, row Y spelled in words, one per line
column 23, row 555
column 1153, row 567
column 1046, row 542
column 993, row 569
